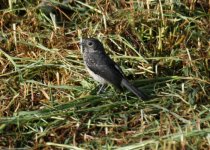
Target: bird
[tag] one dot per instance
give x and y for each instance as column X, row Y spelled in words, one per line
column 103, row 69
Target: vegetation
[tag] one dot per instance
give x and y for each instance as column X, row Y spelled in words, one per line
column 48, row 100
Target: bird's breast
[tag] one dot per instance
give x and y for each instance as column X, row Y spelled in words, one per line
column 91, row 61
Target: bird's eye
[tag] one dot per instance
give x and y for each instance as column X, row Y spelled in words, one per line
column 90, row 43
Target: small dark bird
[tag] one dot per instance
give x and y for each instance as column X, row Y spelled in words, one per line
column 103, row 69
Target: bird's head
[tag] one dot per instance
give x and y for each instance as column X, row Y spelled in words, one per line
column 91, row 45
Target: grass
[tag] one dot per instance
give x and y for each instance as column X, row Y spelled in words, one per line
column 48, row 100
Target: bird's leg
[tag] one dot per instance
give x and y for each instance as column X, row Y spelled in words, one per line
column 101, row 89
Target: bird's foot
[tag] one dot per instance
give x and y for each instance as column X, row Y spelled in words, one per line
column 101, row 89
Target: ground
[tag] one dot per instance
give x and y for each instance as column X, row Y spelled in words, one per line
column 48, row 100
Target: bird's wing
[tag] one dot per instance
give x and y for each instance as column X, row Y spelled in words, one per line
column 105, row 67
column 111, row 72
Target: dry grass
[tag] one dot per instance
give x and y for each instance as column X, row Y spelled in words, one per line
column 48, row 101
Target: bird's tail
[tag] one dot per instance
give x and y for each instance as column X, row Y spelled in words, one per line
column 134, row 90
